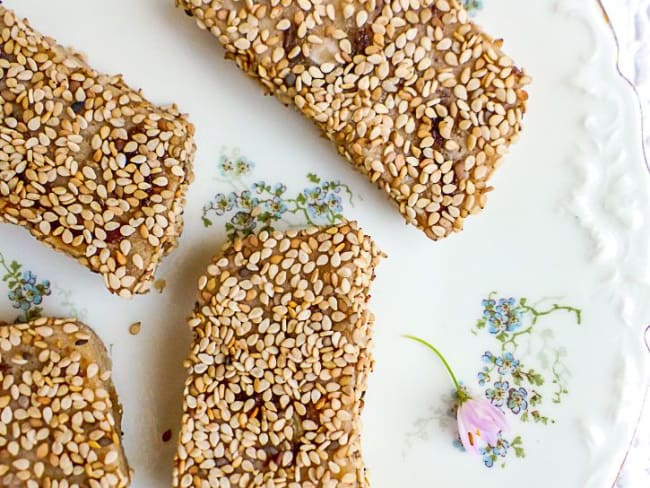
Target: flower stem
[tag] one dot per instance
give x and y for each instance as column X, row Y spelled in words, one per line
column 300, row 209
column 554, row 308
column 3, row 263
column 459, row 390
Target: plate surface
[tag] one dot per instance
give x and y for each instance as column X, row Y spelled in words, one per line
column 565, row 235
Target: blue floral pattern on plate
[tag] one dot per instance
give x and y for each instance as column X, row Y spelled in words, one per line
column 257, row 206
column 26, row 292
column 473, row 6
column 508, row 383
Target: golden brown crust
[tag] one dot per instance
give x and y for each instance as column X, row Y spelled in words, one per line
column 279, row 364
column 60, row 417
column 88, row 165
column 412, row 93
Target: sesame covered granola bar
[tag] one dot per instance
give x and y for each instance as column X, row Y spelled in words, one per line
column 412, row 93
column 88, row 165
column 59, row 413
column 279, row 363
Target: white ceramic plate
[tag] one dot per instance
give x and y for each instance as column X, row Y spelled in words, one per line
column 566, row 230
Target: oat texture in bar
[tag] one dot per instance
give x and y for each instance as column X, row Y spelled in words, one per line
column 412, row 93
column 87, row 165
column 59, row 413
column 279, row 363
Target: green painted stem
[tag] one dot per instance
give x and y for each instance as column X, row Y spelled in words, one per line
column 459, row 390
column 299, row 209
column 512, row 339
column 536, row 313
column 348, row 190
column 3, row 263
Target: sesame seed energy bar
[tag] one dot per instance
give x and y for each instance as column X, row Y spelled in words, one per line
column 59, row 414
column 87, row 165
column 411, row 92
column 279, row 363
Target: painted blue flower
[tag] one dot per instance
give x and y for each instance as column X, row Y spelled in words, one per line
column 28, row 278
column 239, row 166
column 501, row 447
column 27, row 293
column 507, row 307
column 488, row 303
column 507, row 364
column 488, row 458
column 276, row 206
column 259, row 187
column 473, row 5
column 334, row 203
column 495, row 323
column 247, row 201
column 279, row 189
column 226, row 166
column 243, row 166
column 331, row 186
column 483, row 377
column 498, row 394
column 313, row 195
column 224, row 203
column 33, row 294
column 514, row 320
column 17, row 299
column 490, row 453
column 502, row 316
column 517, row 400
column 317, row 211
column 487, row 357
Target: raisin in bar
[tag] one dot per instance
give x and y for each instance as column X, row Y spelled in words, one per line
column 59, row 413
column 412, row 93
column 279, row 363
column 87, row 165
